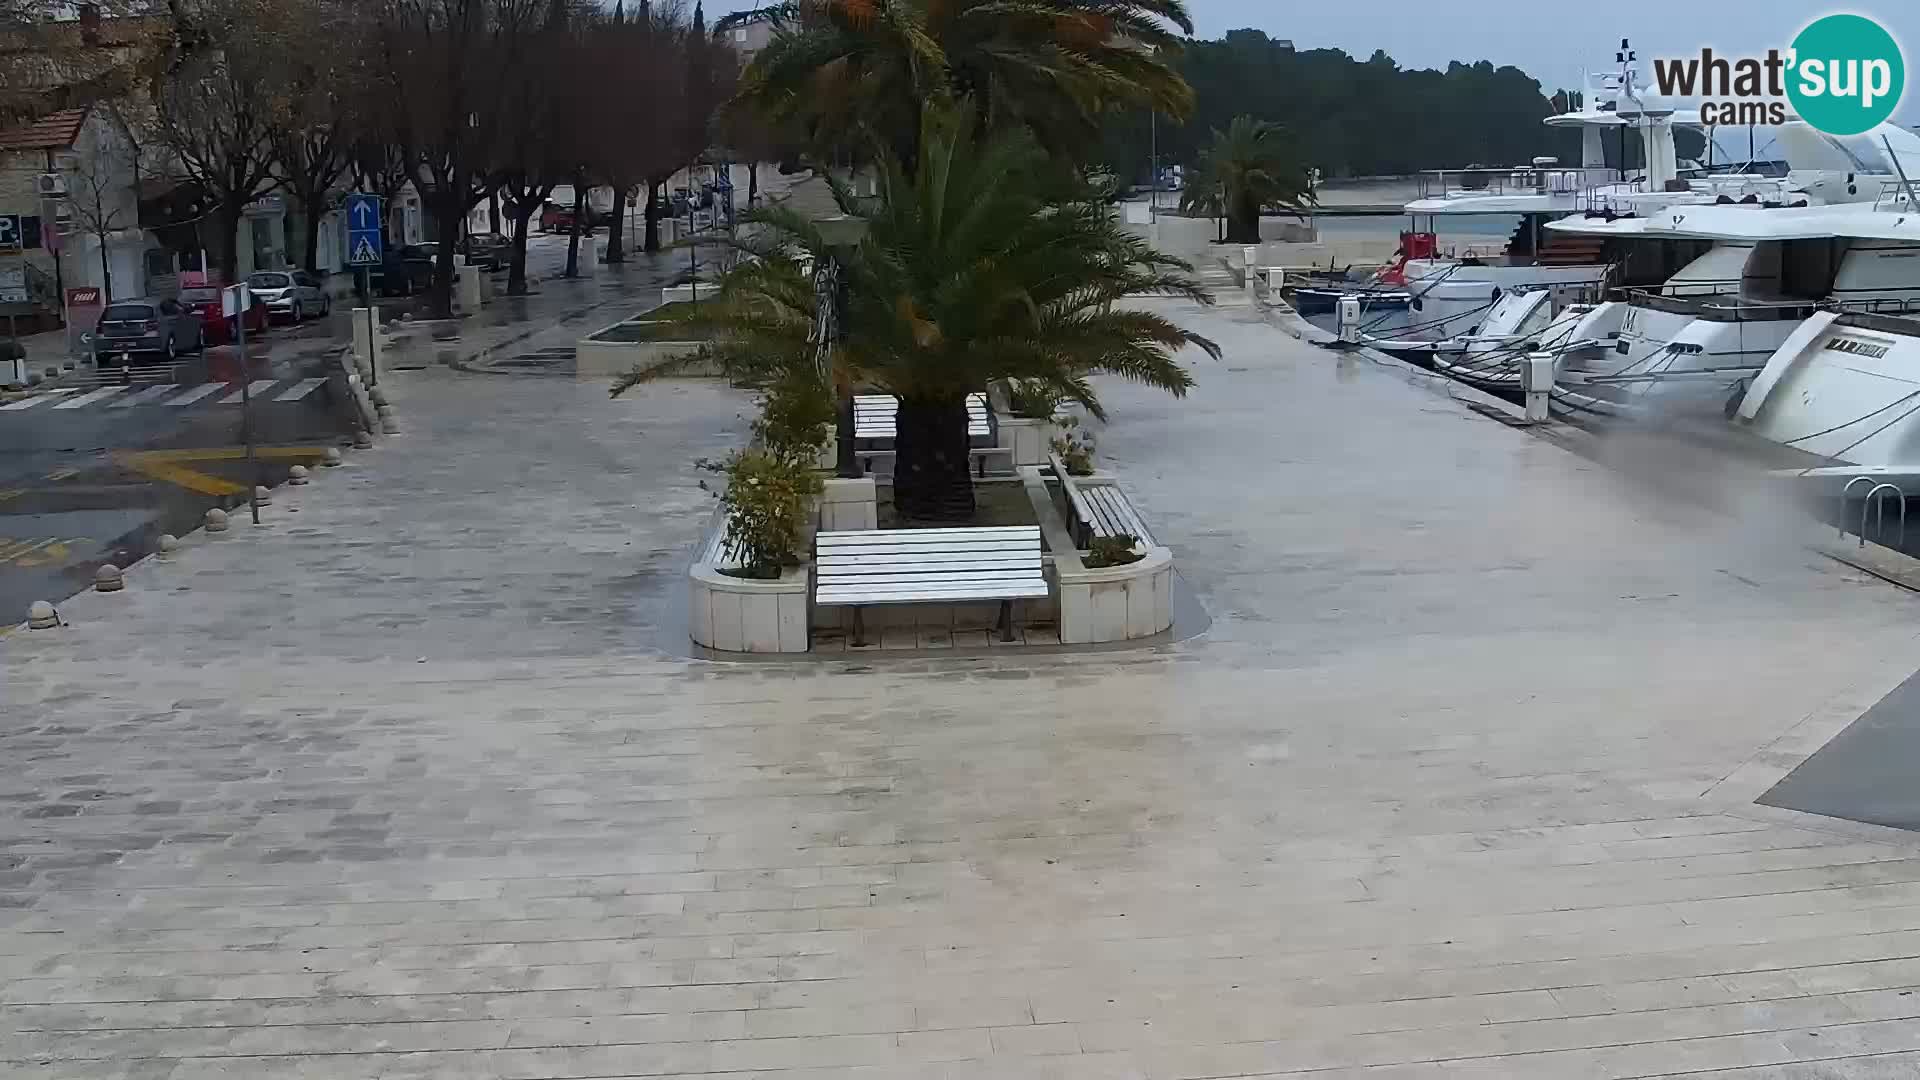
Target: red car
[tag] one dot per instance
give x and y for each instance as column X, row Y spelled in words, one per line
column 205, row 302
column 556, row 218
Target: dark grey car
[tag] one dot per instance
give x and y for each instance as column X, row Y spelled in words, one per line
column 145, row 331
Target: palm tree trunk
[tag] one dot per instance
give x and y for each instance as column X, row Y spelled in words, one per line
column 931, row 481
column 1243, row 222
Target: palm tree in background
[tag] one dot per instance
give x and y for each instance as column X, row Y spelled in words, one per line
column 967, row 273
column 848, row 72
column 1249, row 168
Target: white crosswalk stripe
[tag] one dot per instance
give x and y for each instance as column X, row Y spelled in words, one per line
column 101, row 394
column 299, row 390
column 28, row 403
column 145, row 397
column 254, row 391
column 198, row 392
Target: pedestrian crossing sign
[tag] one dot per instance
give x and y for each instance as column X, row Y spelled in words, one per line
column 364, row 252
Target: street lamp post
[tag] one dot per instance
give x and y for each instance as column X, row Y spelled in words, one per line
column 842, row 233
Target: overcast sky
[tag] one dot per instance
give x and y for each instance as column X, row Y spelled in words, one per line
column 1552, row 41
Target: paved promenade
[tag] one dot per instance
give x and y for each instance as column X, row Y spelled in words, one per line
column 412, row 782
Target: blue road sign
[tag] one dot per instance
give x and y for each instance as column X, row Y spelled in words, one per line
column 365, row 237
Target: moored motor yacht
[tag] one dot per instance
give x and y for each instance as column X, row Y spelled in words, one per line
column 1694, row 346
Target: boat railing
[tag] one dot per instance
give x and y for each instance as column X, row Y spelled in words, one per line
column 1886, row 320
column 1509, row 180
column 1719, row 307
column 1893, row 197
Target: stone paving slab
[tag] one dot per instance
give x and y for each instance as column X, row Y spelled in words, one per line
column 412, row 782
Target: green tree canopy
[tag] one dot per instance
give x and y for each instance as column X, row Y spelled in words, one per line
column 969, row 271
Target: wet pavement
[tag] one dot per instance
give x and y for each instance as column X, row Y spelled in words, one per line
column 409, row 783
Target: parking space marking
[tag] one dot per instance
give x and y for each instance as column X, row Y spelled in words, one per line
column 150, row 394
column 197, row 393
column 86, row 399
column 299, row 390
column 259, row 387
column 44, row 551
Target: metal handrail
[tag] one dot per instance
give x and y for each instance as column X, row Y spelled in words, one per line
column 1840, row 518
column 1880, row 514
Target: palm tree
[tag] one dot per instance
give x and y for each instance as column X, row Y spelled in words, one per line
column 848, row 72
column 966, row 274
column 1250, row 167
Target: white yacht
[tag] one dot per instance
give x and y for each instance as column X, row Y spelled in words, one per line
column 1696, row 342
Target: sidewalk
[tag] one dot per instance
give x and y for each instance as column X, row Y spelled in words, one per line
column 416, row 781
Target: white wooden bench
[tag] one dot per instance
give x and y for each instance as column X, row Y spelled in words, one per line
column 1099, row 509
column 928, row 566
column 873, row 416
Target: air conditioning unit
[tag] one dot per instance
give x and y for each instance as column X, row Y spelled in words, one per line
column 51, row 185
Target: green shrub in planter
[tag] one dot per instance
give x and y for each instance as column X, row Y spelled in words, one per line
column 1075, row 447
column 1032, row 399
column 767, row 500
column 1107, row 551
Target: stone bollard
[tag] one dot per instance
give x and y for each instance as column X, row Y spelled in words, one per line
column 378, row 395
column 389, row 425
column 216, row 520
column 362, row 440
column 297, row 475
column 331, row 459
column 108, row 579
column 41, row 616
column 168, row 544
column 262, row 496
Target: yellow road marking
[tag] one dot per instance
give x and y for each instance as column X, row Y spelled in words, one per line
column 46, row 551
column 63, row 474
column 12, row 493
column 171, row 465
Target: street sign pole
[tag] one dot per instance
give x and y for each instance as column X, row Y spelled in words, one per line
column 366, row 243
column 241, row 301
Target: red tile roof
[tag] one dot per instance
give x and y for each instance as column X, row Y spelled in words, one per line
column 54, row 131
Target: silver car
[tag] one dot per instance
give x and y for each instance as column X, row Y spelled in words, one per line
column 145, row 331
column 289, row 294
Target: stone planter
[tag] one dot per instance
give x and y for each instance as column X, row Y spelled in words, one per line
column 599, row 359
column 848, row 504
column 1115, row 603
column 1028, row 439
column 729, row 614
column 674, row 294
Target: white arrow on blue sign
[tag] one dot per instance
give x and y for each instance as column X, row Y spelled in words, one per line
column 365, row 237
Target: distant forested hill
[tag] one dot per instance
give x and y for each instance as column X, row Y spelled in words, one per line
column 1353, row 117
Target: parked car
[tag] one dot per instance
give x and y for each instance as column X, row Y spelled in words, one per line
column 489, row 251
column 557, row 218
column 216, row 327
column 145, row 331
column 408, row 269
column 290, row 294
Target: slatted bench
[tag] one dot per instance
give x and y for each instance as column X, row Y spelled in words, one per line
column 873, row 416
column 1099, row 509
column 928, row 566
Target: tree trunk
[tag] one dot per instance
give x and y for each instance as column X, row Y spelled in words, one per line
column 753, row 183
column 1243, row 222
column 517, row 261
column 106, row 272
column 452, row 206
column 617, row 227
column 579, row 223
column 931, row 478
column 493, row 210
column 653, row 217
column 227, row 244
column 310, row 213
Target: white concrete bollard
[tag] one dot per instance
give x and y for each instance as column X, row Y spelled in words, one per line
column 389, row 424
column 297, row 475
column 466, row 293
column 168, row 544
column 41, row 616
column 331, row 459
column 108, row 579
column 362, row 440
column 262, row 495
column 216, row 520
column 378, row 395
